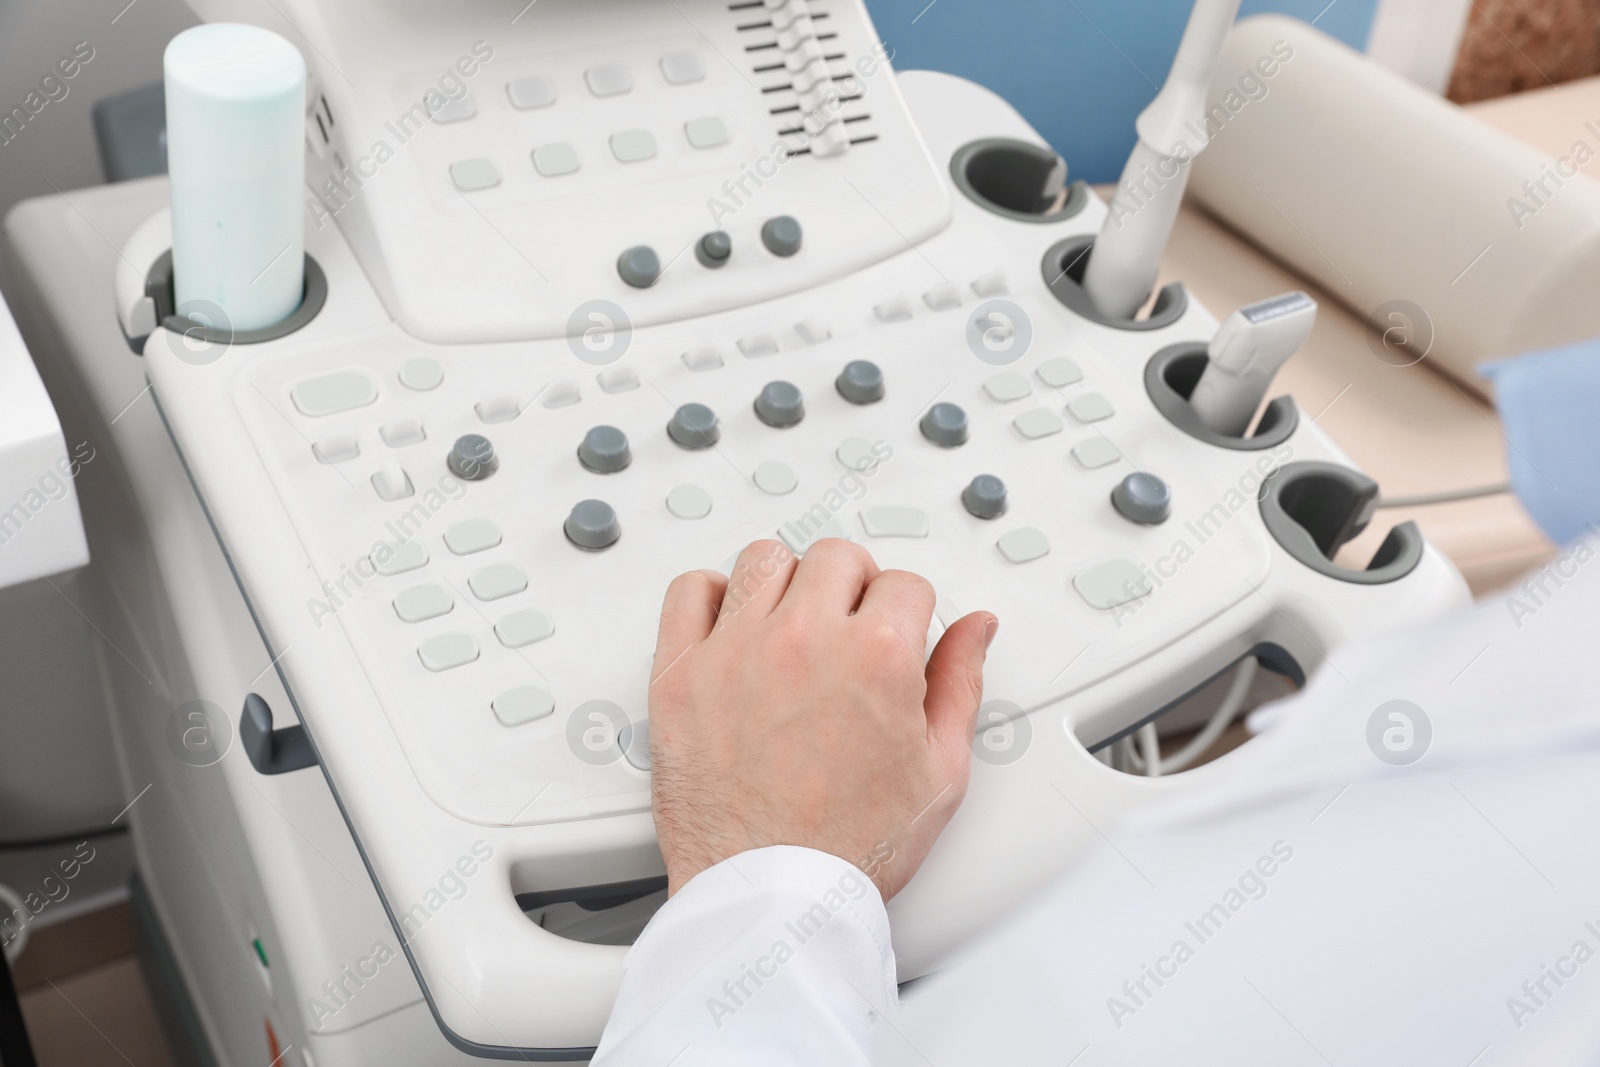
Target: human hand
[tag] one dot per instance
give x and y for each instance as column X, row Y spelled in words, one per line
column 790, row 705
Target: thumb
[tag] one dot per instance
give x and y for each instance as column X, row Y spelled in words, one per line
column 955, row 685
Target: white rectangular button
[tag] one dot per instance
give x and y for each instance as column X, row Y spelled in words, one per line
column 529, row 93
column 1095, row 452
column 472, row 175
column 618, row 379
column 1110, row 585
column 523, row 628
column 447, row 650
column 1040, row 422
column 1023, row 545
column 474, row 535
column 894, row 522
column 758, row 344
column 390, row 558
column 332, row 393
column 611, row 79
column 524, row 704
column 1007, row 386
column 1091, row 407
column 423, row 602
column 498, row 581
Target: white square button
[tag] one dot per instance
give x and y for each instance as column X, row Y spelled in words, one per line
column 555, row 159
column 682, row 68
column 631, row 146
column 611, row 79
column 529, row 93
column 708, row 132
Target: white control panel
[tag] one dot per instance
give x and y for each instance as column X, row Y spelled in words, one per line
column 488, row 165
column 457, row 551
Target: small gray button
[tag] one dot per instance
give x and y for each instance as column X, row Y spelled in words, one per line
column 713, row 249
column 612, row 79
column 593, row 525
column 1059, row 372
column 421, row 373
column 471, row 175
column 524, row 628
column 398, row 559
column 1091, row 407
column 705, row 133
column 529, row 93
column 775, row 478
column 945, row 425
column 1094, row 452
column 860, row 382
column 472, row 457
column 631, row 146
column 1113, row 584
column 781, row 235
column 694, row 426
column 689, row 502
column 554, row 160
column 985, row 497
column 639, row 266
column 1143, row 498
column 497, row 581
column 447, row 650
column 474, row 535
column 423, row 602
column 886, row 521
column 780, row 404
column 1037, row 423
column 1023, row 545
column 605, row 450
column 523, row 704
column 681, row 68
column 333, row 393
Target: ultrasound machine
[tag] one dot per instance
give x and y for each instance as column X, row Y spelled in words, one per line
column 566, row 299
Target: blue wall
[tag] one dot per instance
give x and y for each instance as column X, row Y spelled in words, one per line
column 1081, row 86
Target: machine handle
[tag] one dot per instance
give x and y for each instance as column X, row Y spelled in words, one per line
column 273, row 751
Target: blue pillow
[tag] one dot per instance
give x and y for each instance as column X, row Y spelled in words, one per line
column 1550, row 405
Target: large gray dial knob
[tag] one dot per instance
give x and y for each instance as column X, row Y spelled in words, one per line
column 605, row 450
column 781, row 235
column 860, row 382
column 593, row 525
column 945, row 425
column 1142, row 498
column 780, row 404
column 472, row 457
column 694, row 426
column 639, row 266
column 985, row 497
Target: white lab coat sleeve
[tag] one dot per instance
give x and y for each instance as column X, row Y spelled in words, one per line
column 776, row 956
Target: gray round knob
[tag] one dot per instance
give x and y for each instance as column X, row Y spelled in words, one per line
column 1142, row 498
column 593, row 525
column 639, row 266
column 945, row 425
column 780, row 404
column 781, row 235
column 860, row 382
column 472, row 457
column 985, row 497
column 605, row 450
column 713, row 249
column 694, row 426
